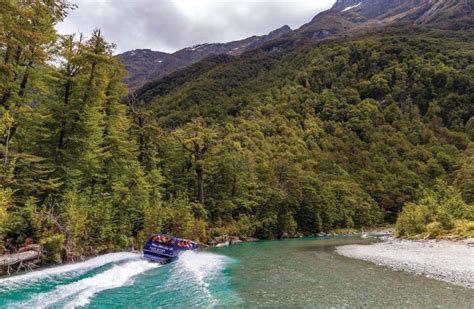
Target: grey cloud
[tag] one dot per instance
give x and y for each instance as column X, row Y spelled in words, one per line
column 167, row 25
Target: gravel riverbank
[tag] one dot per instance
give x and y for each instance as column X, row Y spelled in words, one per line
column 452, row 262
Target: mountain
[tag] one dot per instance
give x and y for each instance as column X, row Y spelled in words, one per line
column 350, row 16
column 346, row 17
column 145, row 65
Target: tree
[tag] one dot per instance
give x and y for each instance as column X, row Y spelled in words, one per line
column 196, row 138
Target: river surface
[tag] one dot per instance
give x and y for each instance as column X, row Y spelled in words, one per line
column 303, row 273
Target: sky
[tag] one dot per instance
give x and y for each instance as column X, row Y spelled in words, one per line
column 170, row 25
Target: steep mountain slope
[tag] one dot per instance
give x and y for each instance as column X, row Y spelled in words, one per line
column 349, row 16
column 145, row 65
column 298, row 138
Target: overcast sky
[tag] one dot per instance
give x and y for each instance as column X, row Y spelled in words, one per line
column 170, row 25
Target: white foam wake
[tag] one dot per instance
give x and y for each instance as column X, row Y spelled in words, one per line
column 76, row 268
column 80, row 293
column 201, row 268
column 202, row 265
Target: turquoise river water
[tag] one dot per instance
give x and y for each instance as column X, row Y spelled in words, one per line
column 303, row 273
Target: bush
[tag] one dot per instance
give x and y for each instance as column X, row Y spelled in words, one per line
column 5, row 198
column 121, row 241
column 413, row 219
column 434, row 229
column 445, row 219
column 199, row 230
column 178, row 216
column 438, row 211
column 53, row 248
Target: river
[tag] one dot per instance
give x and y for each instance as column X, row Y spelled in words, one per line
column 301, row 273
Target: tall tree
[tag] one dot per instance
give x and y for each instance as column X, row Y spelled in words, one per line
column 196, row 138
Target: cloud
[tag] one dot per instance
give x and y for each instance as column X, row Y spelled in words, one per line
column 170, row 25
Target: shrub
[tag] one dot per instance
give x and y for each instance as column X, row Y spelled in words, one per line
column 434, row 229
column 445, row 219
column 178, row 216
column 5, row 197
column 121, row 241
column 437, row 211
column 413, row 219
column 53, row 248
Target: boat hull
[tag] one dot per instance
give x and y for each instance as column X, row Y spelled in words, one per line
column 157, row 258
column 165, row 253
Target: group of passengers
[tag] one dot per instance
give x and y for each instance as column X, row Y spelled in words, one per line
column 167, row 241
column 184, row 244
column 163, row 240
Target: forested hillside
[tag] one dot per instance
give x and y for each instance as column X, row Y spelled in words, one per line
column 283, row 140
column 331, row 135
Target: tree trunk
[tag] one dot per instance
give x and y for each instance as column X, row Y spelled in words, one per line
column 200, row 184
column 199, row 173
column 17, row 258
column 6, row 157
column 24, row 80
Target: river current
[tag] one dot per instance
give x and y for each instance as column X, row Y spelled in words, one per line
column 302, row 273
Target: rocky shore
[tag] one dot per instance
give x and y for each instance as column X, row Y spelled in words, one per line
column 449, row 261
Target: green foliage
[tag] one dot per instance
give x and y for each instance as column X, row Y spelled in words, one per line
column 53, row 248
column 72, row 173
column 121, row 241
column 413, row 219
column 178, row 217
column 317, row 138
column 465, row 176
column 5, row 203
column 470, row 128
column 436, row 211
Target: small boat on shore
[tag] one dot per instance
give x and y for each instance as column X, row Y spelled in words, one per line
column 165, row 249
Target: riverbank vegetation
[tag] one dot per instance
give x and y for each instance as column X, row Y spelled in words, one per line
column 440, row 212
column 277, row 141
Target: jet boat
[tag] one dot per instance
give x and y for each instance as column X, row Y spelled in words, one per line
column 165, row 249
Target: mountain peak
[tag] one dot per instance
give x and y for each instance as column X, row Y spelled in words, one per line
column 280, row 31
column 284, row 28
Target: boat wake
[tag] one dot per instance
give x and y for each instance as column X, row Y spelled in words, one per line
column 62, row 272
column 79, row 293
column 196, row 279
column 203, row 268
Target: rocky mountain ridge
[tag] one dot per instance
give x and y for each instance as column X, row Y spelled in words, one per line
column 145, row 65
column 345, row 17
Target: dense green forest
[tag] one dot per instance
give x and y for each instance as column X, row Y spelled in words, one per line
column 332, row 135
column 281, row 140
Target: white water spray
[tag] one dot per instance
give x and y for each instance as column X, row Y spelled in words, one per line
column 198, row 270
column 80, row 293
column 70, row 270
column 195, row 277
